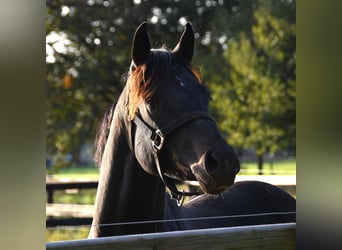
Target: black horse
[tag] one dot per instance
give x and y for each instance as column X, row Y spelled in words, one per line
column 160, row 130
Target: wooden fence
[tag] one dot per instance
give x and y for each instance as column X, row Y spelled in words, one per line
column 53, row 185
column 68, row 214
column 275, row 236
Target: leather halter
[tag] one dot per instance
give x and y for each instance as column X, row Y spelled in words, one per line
column 157, row 138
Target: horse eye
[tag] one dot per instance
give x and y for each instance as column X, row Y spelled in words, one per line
column 153, row 106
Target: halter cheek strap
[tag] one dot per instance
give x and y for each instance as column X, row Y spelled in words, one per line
column 157, row 138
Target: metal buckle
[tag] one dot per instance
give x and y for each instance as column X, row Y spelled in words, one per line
column 157, row 140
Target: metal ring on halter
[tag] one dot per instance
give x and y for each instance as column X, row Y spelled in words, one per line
column 180, row 199
column 157, row 140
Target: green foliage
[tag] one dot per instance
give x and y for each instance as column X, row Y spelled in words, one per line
column 245, row 50
column 255, row 104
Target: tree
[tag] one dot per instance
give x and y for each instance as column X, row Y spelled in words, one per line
column 256, row 104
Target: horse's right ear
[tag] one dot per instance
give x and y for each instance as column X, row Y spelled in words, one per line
column 141, row 45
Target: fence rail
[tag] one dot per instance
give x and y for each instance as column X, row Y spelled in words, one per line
column 51, row 186
column 68, row 214
column 279, row 236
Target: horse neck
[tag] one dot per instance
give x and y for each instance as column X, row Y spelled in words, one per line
column 125, row 192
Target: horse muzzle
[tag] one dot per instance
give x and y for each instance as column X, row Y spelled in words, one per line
column 216, row 171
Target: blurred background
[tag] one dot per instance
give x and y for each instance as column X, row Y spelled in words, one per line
column 245, row 52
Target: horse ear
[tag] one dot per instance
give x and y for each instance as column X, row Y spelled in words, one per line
column 185, row 46
column 141, row 45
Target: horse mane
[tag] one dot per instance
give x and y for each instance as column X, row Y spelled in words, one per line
column 142, row 82
column 102, row 133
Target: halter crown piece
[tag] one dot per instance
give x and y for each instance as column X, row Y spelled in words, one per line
column 157, row 138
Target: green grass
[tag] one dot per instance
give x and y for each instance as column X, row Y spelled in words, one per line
column 66, row 233
column 83, row 196
column 284, row 167
column 88, row 172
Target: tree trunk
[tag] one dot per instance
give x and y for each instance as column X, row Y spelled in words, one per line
column 260, row 163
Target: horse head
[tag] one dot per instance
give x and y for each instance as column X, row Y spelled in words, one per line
column 172, row 134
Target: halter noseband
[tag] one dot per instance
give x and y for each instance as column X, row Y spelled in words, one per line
column 157, row 139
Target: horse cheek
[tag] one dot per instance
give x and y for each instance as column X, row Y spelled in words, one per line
column 144, row 156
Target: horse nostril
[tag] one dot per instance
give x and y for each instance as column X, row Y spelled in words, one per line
column 220, row 165
column 211, row 163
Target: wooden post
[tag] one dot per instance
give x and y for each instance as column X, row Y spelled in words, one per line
column 50, row 196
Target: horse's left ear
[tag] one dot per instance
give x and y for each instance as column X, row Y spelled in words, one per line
column 185, row 45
